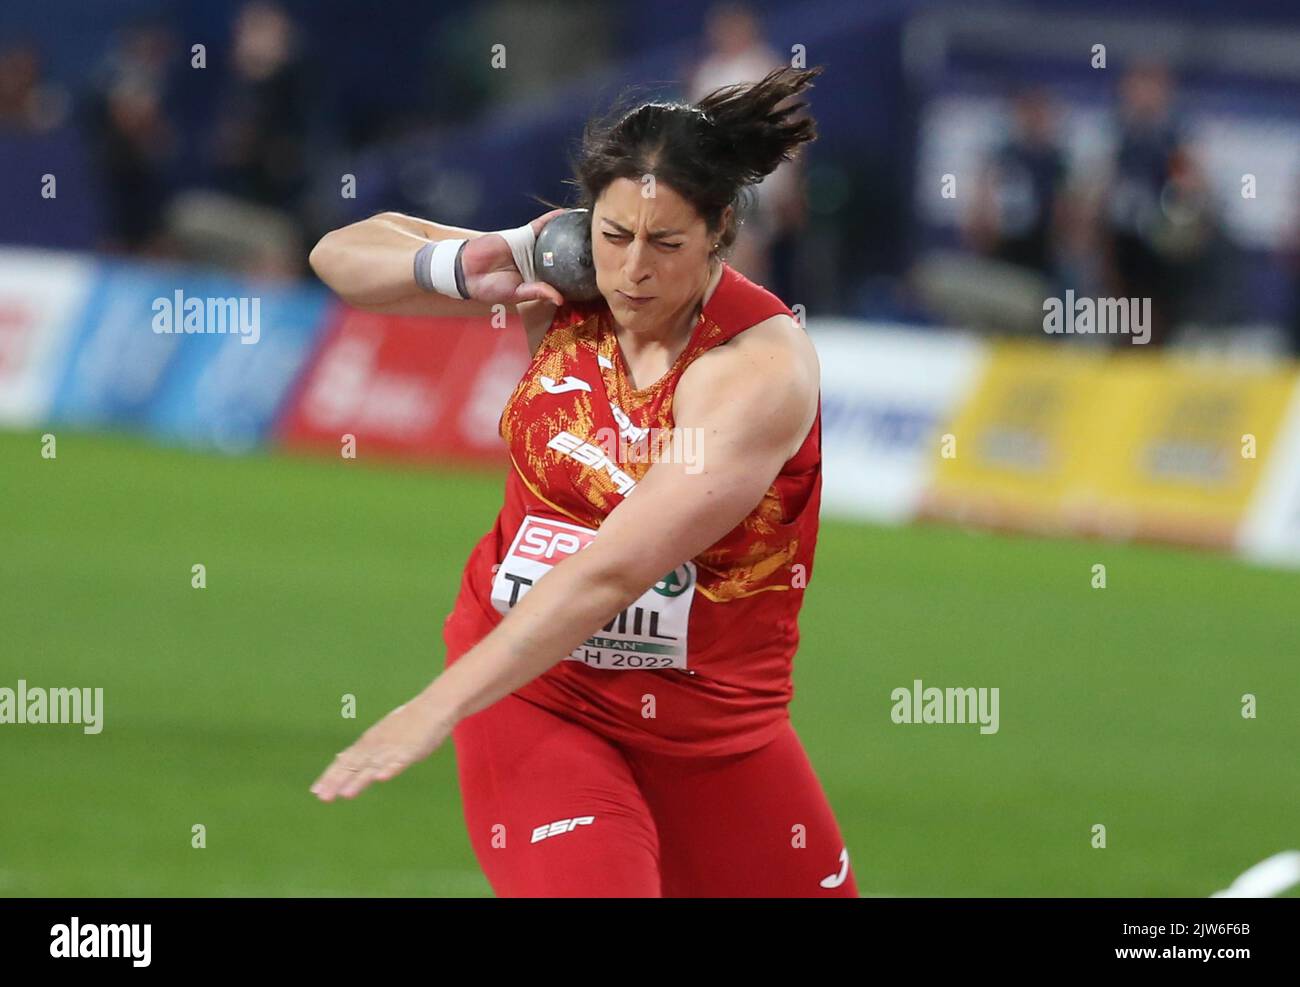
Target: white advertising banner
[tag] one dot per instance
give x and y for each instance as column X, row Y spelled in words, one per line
column 887, row 392
column 1270, row 532
column 42, row 294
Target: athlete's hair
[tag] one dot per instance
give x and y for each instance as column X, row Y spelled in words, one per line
column 710, row 152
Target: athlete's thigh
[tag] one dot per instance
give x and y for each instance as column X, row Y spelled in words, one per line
column 751, row 825
column 551, row 807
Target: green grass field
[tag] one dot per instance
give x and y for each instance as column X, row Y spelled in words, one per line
column 1118, row 706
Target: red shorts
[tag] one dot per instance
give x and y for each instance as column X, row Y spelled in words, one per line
column 555, row 810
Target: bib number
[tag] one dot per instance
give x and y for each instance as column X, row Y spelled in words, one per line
column 649, row 634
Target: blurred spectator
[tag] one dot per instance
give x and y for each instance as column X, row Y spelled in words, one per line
column 135, row 144
column 778, row 210
column 262, row 150
column 26, row 103
column 1020, row 231
column 1199, row 257
column 1019, row 197
column 1142, row 246
column 262, row 128
column 737, row 53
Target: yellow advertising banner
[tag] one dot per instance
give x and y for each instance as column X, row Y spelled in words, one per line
column 1123, row 443
column 1013, row 450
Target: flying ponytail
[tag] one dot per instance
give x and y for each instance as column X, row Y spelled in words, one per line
column 710, row 152
column 752, row 131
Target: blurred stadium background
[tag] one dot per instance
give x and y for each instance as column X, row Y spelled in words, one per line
column 972, row 163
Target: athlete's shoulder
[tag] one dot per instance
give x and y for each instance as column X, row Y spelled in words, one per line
column 739, row 303
column 774, row 348
column 764, row 356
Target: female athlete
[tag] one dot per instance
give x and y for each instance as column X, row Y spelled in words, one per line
column 621, row 726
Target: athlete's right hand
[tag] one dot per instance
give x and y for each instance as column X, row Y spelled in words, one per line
column 408, row 734
column 492, row 276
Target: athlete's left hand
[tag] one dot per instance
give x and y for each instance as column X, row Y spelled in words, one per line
column 408, row 734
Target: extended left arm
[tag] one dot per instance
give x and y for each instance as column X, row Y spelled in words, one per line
column 676, row 511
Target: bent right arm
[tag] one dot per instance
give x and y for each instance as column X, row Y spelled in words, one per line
column 371, row 265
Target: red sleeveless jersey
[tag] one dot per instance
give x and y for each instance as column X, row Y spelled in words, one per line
column 701, row 663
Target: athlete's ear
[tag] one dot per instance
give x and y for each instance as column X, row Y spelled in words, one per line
column 727, row 215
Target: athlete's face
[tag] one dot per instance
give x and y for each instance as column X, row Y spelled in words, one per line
column 651, row 253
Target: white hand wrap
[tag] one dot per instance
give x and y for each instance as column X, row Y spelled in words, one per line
column 441, row 273
column 522, row 240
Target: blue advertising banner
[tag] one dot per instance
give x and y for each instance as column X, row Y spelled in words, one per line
column 224, row 390
column 189, row 356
